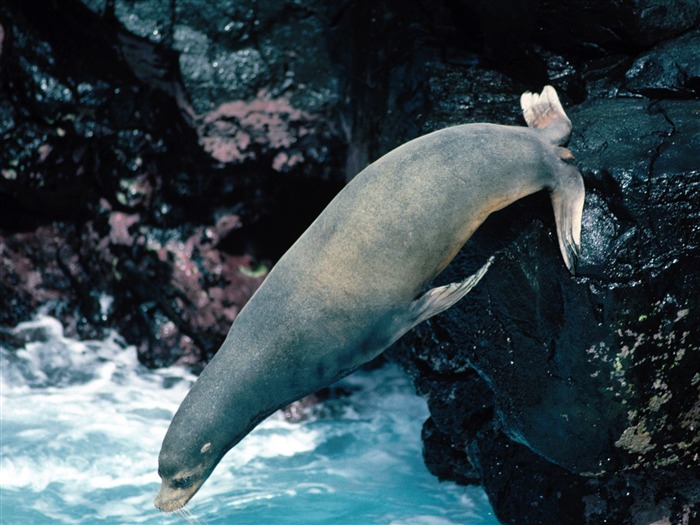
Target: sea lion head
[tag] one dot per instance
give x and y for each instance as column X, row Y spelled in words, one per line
column 182, row 473
column 214, row 416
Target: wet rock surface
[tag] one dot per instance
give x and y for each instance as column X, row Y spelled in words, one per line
column 130, row 186
column 157, row 158
column 670, row 69
column 594, row 377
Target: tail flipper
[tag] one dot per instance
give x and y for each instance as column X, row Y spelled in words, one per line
column 567, row 200
column 544, row 111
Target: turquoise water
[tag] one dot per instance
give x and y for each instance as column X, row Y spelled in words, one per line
column 82, row 423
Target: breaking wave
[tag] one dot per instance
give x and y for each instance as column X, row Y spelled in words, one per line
column 82, row 423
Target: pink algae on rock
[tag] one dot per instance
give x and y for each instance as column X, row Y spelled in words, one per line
column 120, row 223
column 241, row 130
column 210, row 285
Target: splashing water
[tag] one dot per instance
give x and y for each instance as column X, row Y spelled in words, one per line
column 81, row 425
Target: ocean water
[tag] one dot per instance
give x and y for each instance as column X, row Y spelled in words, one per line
column 81, row 425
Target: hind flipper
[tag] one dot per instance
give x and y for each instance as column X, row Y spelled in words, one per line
column 545, row 112
column 568, row 196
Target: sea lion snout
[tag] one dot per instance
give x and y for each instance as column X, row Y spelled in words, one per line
column 177, row 488
column 171, row 498
column 165, row 501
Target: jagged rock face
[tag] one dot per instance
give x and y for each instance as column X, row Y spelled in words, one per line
column 597, row 373
column 157, row 157
column 133, row 173
column 669, row 69
column 589, row 380
column 616, row 24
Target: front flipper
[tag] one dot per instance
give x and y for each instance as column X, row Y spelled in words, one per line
column 437, row 300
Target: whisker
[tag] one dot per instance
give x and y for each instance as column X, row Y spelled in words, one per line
column 188, row 516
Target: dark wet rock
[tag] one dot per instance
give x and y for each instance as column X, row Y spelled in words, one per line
column 450, row 430
column 241, row 75
column 669, row 70
column 599, row 27
column 467, row 94
column 188, row 291
column 594, row 377
column 229, row 53
column 120, row 203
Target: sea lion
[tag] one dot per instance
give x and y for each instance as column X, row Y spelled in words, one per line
column 354, row 282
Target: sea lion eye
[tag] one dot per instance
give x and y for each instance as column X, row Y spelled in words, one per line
column 181, row 483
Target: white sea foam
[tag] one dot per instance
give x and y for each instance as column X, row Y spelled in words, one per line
column 81, row 425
